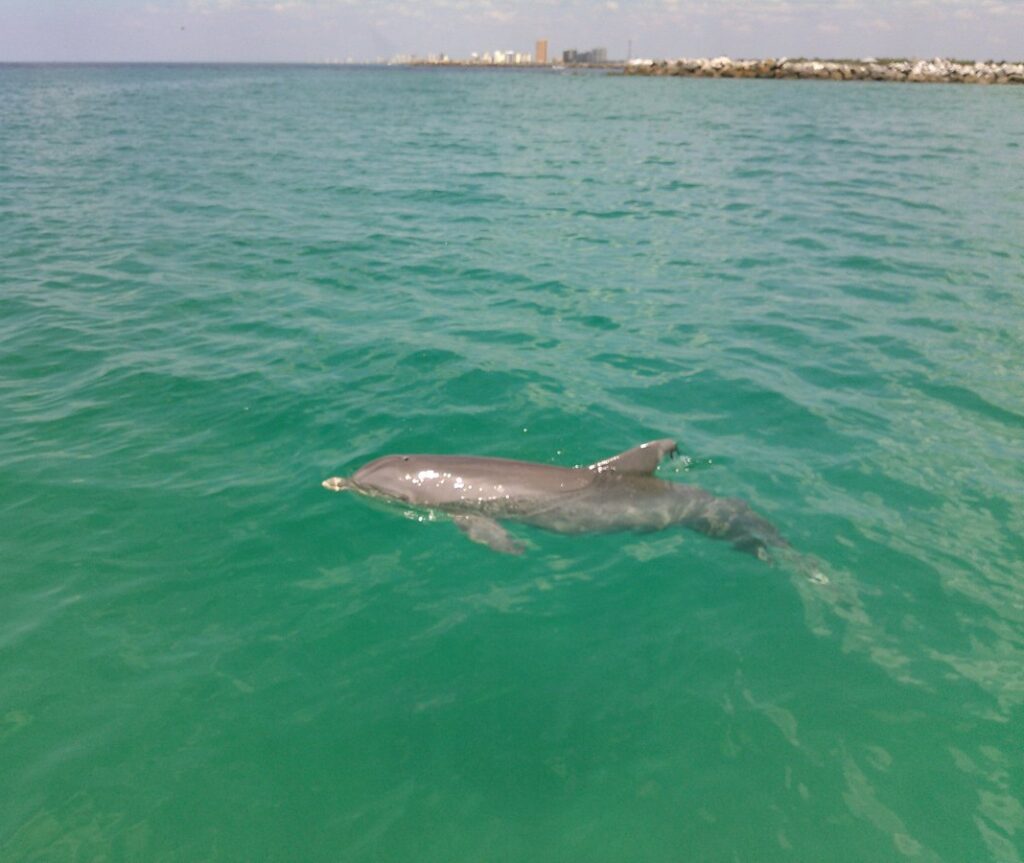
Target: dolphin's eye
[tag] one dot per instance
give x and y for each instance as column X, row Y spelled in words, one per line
column 405, row 458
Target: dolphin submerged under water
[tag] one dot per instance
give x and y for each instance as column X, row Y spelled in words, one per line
column 619, row 493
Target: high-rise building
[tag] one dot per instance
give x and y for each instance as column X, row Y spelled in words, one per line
column 594, row 55
column 541, row 53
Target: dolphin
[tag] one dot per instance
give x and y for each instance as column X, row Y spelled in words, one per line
column 619, row 493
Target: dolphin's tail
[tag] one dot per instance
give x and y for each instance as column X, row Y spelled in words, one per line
column 732, row 519
column 754, row 535
column 806, row 565
column 758, row 546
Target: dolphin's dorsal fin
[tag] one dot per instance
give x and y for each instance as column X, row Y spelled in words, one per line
column 643, row 459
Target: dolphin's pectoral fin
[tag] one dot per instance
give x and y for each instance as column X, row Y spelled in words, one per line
column 488, row 532
column 643, row 459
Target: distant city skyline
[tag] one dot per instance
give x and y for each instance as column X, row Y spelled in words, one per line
column 318, row 30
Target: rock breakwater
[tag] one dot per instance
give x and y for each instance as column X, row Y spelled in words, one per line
column 938, row 71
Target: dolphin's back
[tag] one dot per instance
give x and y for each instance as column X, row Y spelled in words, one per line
column 440, row 480
column 506, row 479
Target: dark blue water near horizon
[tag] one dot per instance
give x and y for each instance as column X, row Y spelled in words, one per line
column 221, row 284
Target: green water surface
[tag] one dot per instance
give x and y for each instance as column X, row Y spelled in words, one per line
column 219, row 285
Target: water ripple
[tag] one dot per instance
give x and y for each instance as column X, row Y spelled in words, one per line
column 223, row 283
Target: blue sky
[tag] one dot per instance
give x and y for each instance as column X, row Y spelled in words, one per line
column 315, row 30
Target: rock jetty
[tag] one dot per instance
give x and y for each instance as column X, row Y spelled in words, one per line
column 937, row 71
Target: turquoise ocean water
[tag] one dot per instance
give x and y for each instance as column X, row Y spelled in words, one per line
column 219, row 285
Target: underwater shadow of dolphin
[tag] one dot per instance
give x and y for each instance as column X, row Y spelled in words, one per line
column 617, row 494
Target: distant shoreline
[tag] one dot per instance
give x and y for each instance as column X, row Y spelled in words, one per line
column 899, row 70
column 937, row 71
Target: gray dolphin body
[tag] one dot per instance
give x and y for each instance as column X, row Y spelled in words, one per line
column 616, row 494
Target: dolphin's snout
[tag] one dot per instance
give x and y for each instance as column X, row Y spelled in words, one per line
column 336, row 483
